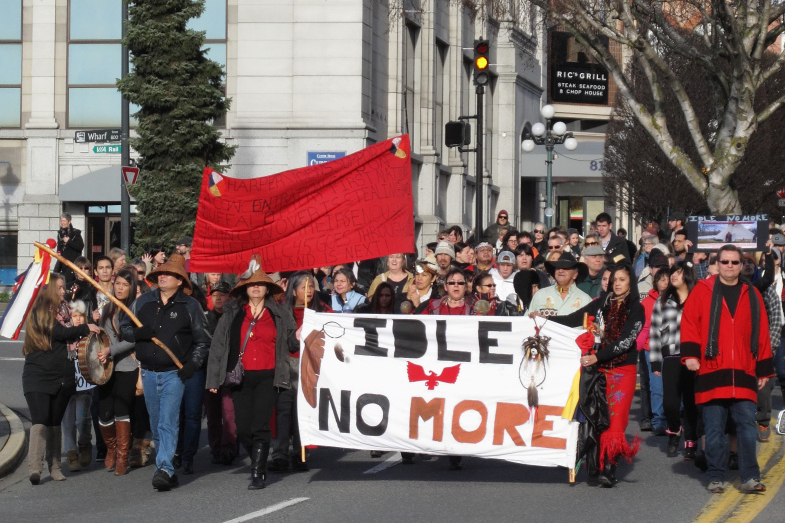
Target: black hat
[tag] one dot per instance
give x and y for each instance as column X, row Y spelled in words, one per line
column 658, row 259
column 185, row 240
column 677, row 216
column 567, row 261
column 221, row 286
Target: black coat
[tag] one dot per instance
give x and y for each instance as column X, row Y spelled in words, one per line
column 70, row 250
column 48, row 370
column 618, row 246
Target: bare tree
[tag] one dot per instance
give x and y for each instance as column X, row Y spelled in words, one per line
column 728, row 50
column 646, row 183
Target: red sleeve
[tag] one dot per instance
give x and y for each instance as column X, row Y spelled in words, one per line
column 692, row 322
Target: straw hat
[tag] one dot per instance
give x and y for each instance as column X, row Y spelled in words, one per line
column 175, row 266
column 255, row 274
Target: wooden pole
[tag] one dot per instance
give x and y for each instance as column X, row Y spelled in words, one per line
column 114, row 300
column 307, row 279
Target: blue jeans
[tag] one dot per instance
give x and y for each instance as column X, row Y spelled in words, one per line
column 715, row 415
column 188, row 443
column 163, row 393
column 658, row 420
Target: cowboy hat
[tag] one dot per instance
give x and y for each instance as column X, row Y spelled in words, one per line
column 175, row 266
column 255, row 274
column 567, row 261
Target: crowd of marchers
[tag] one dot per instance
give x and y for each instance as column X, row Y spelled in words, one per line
column 700, row 331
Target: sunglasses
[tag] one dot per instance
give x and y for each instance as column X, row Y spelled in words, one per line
column 488, row 285
column 456, row 283
column 503, row 217
column 589, row 244
column 554, row 247
column 538, row 231
column 732, row 262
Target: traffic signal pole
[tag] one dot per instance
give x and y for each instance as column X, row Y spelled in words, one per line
column 478, row 158
column 125, row 153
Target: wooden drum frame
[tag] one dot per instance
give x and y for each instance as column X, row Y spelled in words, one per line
column 87, row 354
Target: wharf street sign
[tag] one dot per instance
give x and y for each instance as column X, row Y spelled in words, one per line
column 98, row 135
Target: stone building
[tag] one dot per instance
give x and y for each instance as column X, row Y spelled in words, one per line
column 309, row 80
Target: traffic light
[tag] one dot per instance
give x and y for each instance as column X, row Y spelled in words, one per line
column 457, row 134
column 481, row 50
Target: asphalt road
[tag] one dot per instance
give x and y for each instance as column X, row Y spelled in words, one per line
column 345, row 485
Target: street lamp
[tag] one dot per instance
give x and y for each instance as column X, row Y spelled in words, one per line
column 549, row 136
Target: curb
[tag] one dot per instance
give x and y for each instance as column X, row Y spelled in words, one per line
column 14, row 449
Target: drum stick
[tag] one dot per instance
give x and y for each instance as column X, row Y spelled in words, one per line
column 114, row 300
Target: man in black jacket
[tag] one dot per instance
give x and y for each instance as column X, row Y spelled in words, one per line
column 612, row 244
column 169, row 314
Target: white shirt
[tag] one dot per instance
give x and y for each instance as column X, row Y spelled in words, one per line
column 504, row 287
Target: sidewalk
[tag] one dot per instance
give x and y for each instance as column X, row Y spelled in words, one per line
column 12, row 440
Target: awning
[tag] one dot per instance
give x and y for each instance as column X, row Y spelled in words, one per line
column 584, row 162
column 102, row 186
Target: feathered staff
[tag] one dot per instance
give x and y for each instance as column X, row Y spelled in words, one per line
column 535, row 356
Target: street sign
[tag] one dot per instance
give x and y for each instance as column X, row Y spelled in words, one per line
column 107, row 149
column 782, row 202
column 130, row 174
column 315, row 158
column 98, row 135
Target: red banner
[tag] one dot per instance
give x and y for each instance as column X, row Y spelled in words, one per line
column 354, row 208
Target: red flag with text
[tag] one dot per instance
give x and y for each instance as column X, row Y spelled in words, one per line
column 354, row 208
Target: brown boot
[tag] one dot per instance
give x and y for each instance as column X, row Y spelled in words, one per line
column 85, row 454
column 135, row 456
column 123, row 428
column 109, row 433
column 35, row 452
column 54, row 452
column 73, row 461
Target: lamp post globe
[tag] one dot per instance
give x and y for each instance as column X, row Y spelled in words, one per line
column 547, row 111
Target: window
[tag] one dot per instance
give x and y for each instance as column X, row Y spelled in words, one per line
column 11, row 64
column 8, row 252
column 213, row 23
column 438, row 96
column 94, row 62
column 411, row 33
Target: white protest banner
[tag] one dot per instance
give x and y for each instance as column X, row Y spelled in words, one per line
column 449, row 385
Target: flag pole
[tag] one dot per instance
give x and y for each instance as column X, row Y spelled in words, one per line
column 114, row 300
column 302, row 447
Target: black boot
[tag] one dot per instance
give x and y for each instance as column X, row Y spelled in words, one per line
column 673, row 445
column 608, row 477
column 593, row 466
column 259, row 454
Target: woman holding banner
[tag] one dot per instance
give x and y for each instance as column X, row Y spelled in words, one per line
column 48, row 378
column 300, row 293
column 455, row 303
column 620, row 317
column 258, row 334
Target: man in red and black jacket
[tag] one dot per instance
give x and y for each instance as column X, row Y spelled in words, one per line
column 725, row 339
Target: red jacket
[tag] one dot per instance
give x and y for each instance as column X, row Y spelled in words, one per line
column 734, row 373
column 648, row 305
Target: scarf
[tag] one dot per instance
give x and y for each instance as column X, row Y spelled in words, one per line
column 715, row 313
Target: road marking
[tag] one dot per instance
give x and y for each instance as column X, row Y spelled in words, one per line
column 736, row 506
column 11, row 359
column 389, row 462
column 268, row 510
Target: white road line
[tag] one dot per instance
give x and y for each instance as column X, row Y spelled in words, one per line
column 11, row 359
column 268, row 510
column 389, row 462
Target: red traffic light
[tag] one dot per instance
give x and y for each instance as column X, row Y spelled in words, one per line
column 482, row 47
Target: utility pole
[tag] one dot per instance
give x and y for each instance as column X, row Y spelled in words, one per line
column 478, row 158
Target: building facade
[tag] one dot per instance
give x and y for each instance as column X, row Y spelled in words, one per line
column 309, row 80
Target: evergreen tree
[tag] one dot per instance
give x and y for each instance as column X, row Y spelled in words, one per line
column 180, row 93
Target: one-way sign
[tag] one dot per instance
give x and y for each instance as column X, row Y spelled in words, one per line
column 98, row 135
